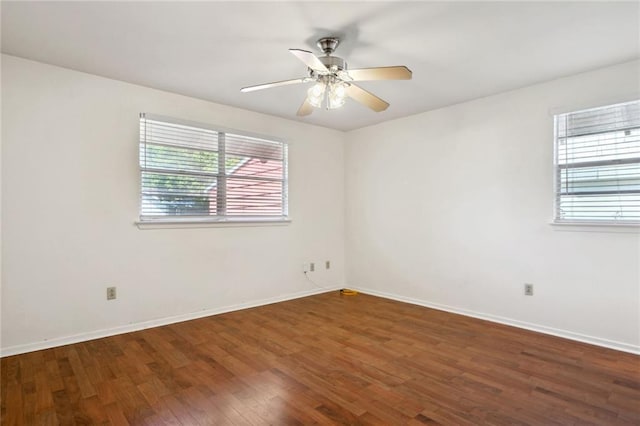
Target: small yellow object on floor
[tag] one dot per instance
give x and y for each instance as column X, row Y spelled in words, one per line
column 347, row 292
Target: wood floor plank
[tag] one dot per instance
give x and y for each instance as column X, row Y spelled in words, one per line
column 324, row 359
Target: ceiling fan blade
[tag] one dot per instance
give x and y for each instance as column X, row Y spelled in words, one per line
column 305, row 109
column 274, row 84
column 310, row 60
column 366, row 98
column 380, row 73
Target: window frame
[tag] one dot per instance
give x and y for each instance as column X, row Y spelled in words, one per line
column 188, row 221
column 588, row 224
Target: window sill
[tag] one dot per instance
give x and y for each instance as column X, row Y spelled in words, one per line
column 208, row 223
column 626, row 228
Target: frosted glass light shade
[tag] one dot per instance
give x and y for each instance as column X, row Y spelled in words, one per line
column 315, row 95
column 337, row 95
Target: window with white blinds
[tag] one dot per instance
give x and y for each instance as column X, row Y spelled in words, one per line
column 597, row 165
column 190, row 171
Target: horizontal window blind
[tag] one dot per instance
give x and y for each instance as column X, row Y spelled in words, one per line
column 598, row 165
column 192, row 171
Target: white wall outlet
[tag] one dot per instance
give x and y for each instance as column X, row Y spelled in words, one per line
column 111, row 293
column 327, row 264
column 312, row 267
column 305, row 267
column 528, row 289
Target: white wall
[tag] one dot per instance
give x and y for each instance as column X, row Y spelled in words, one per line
column 70, row 188
column 451, row 208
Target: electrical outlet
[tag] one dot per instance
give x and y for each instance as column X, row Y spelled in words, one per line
column 528, row 289
column 312, row 267
column 327, row 264
column 111, row 293
column 305, row 267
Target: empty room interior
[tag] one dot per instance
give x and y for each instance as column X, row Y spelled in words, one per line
column 253, row 213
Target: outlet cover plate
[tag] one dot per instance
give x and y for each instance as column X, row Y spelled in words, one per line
column 111, row 293
column 528, row 289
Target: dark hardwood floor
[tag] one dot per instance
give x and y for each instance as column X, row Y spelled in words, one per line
column 326, row 359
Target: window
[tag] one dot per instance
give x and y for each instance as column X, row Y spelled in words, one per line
column 191, row 172
column 597, row 165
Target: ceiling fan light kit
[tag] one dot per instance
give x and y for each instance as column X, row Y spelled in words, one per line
column 334, row 82
column 328, row 91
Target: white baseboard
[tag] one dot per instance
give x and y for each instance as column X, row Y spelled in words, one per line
column 82, row 337
column 611, row 344
column 97, row 334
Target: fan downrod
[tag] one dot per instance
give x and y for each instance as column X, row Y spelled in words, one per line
column 328, row 44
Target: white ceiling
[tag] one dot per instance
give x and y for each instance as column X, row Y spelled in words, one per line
column 457, row 50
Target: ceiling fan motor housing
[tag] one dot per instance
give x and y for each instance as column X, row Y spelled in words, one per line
column 333, row 63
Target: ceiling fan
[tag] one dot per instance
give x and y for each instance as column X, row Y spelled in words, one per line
column 334, row 82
